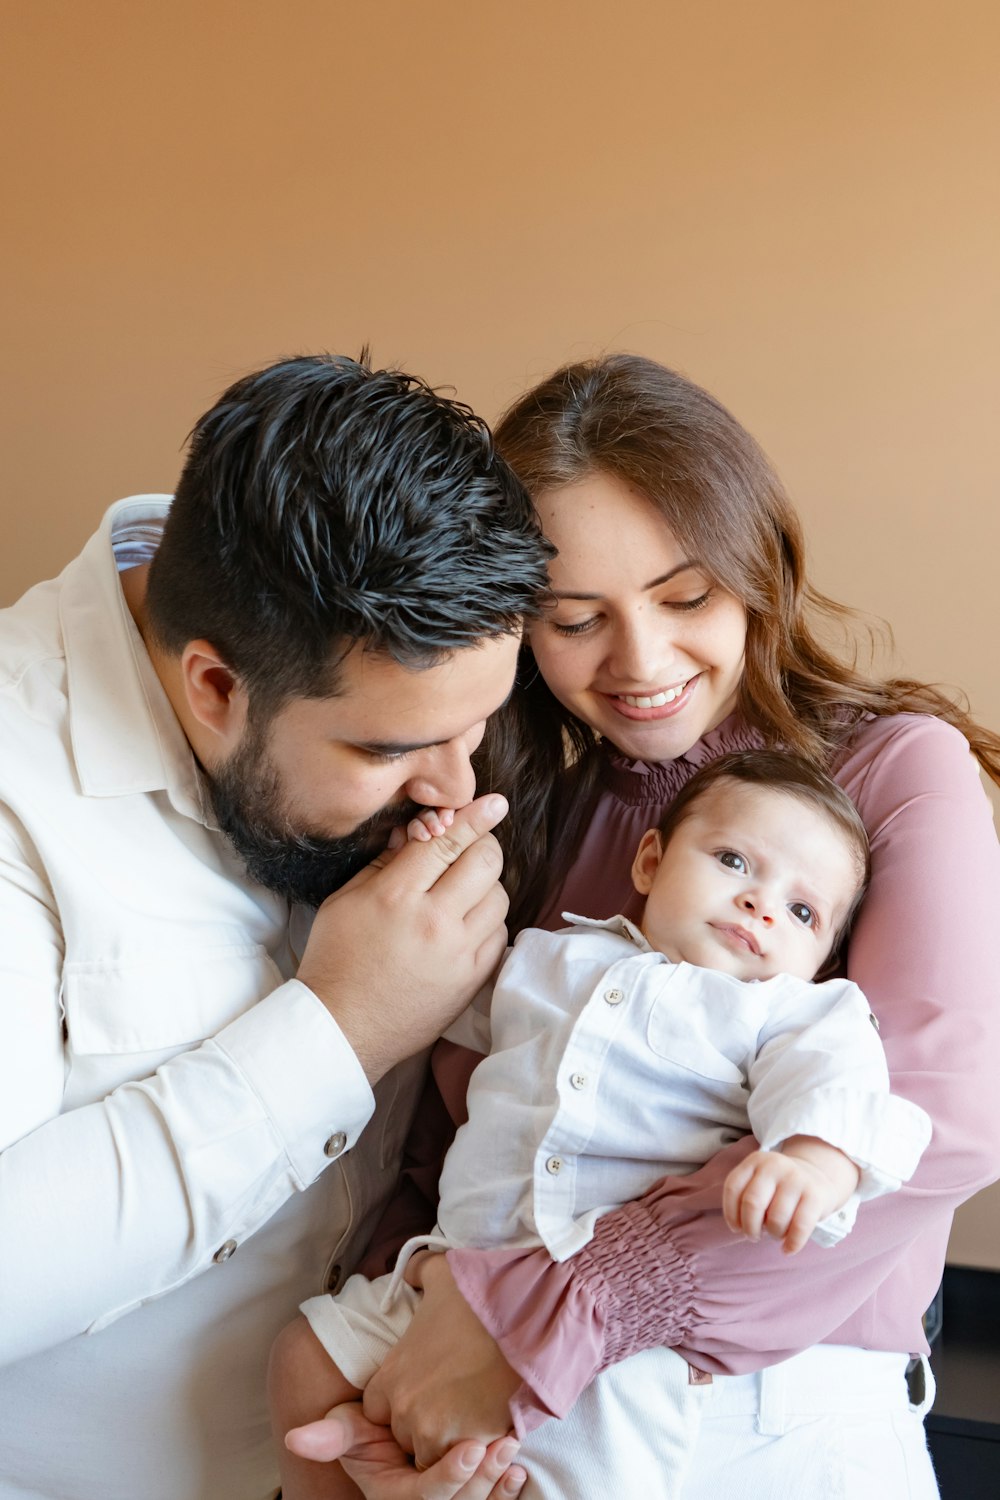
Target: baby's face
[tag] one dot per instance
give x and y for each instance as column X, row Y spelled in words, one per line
column 754, row 882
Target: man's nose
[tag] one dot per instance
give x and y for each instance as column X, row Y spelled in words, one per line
column 446, row 779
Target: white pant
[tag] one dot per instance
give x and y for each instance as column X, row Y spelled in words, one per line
column 833, row 1423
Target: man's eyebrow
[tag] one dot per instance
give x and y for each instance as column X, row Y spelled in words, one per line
column 654, row 583
column 402, row 747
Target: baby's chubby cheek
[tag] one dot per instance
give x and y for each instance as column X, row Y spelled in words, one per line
column 662, row 937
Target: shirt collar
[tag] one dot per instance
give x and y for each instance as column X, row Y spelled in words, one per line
column 619, row 924
column 125, row 735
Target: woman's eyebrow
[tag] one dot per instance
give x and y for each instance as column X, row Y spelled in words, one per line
column 654, row 583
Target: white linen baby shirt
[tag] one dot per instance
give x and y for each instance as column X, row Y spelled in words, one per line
column 610, row 1067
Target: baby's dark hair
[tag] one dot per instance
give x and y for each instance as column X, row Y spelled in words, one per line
column 780, row 771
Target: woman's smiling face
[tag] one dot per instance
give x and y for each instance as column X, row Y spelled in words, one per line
column 642, row 643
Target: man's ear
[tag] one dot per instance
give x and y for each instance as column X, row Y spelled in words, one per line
column 647, row 861
column 215, row 695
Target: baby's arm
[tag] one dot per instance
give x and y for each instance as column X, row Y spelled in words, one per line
column 788, row 1192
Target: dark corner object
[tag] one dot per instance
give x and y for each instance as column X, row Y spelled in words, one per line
column 963, row 1426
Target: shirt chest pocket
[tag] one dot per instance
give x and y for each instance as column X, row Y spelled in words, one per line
column 124, row 1019
column 686, row 1028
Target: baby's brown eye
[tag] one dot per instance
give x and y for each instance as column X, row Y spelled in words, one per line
column 732, row 861
column 802, row 913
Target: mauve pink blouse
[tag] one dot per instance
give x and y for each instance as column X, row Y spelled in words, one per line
column 665, row 1270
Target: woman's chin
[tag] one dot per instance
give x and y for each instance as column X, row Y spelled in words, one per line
column 651, row 741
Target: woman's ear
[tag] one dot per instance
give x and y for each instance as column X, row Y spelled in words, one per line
column 647, row 861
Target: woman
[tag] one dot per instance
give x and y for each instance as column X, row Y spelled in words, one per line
column 680, row 630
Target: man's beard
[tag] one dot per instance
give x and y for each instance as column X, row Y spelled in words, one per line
column 246, row 796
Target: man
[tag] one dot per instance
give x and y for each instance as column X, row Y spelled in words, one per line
column 210, row 720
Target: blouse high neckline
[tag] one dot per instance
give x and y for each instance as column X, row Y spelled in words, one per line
column 635, row 782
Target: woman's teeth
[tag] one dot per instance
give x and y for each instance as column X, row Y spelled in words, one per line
column 656, row 701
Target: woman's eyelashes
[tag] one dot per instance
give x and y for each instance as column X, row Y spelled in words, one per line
column 581, row 627
column 689, row 604
column 385, row 757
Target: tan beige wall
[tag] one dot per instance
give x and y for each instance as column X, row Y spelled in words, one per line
column 797, row 203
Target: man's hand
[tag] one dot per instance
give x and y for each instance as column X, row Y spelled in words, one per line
column 786, row 1193
column 446, row 1379
column 370, row 1455
column 399, row 951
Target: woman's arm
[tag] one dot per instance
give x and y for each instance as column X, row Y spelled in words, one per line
column 665, row 1270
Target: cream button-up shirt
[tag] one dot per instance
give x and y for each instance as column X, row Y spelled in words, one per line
column 169, row 1092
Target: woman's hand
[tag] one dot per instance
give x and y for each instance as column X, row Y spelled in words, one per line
column 370, row 1455
column 446, row 1380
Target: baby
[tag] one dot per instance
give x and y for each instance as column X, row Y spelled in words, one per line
column 617, row 1055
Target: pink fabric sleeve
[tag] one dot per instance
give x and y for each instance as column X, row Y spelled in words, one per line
column 665, row 1271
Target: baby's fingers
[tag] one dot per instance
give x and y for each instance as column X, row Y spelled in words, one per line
column 800, row 1227
column 755, row 1202
column 430, row 823
column 732, row 1193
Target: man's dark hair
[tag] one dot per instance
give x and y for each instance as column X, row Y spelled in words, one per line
column 324, row 503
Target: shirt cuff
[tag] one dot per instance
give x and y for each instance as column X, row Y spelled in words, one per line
column 883, row 1134
column 300, row 1065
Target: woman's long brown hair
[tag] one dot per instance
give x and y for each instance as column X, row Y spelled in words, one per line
column 646, row 425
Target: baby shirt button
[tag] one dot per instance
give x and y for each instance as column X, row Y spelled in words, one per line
column 554, row 1165
column 614, row 997
column 579, row 1080
column 224, row 1252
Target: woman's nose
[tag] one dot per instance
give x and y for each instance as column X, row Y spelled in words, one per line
column 639, row 651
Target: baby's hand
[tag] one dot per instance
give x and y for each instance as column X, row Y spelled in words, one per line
column 787, row 1193
column 429, row 824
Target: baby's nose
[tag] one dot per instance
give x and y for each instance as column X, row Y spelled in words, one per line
column 758, row 908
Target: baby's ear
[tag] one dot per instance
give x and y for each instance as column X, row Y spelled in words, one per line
column 647, row 861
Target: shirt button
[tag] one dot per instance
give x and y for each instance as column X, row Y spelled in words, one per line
column 614, row 997
column 224, row 1252
column 579, row 1080
column 554, row 1165
column 335, row 1145
column 874, row 1020
column 333, row 1279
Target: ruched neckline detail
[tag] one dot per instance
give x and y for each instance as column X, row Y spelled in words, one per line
column 638, row 782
